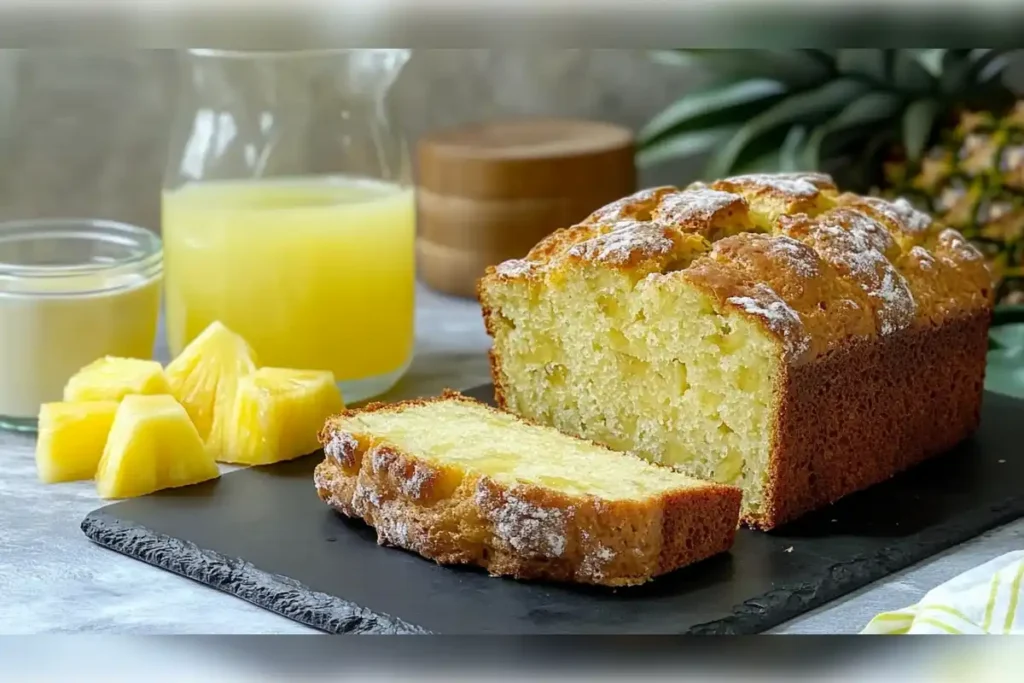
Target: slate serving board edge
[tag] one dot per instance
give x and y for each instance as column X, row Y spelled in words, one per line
column 333, row 615
column 278, row 594
column 844, row 578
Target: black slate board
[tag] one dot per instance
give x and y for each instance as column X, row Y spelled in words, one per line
column 264, row 536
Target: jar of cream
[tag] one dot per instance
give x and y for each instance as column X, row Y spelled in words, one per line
column 71, row 291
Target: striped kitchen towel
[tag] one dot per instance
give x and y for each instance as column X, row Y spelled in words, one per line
column 986, row 599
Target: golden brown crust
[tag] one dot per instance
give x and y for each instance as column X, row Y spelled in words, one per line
column 528, row 532
column 830, row 269
column 870, row 411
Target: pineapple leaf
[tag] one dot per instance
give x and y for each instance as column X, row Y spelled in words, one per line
column 956, row 71
column 864, row 62
column 798, row 68
column 918, row 122
column 717, row 105
column 871, row 108
column 790, row 156
column 909, row 75
column 931, row 60
column 685, row 144
column 985, row 65
column 803, row 107
column 762, row 155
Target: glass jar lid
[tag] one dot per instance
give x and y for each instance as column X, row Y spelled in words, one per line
column 75, row 257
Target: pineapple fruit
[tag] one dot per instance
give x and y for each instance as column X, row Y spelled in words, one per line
column 71, row 439
column 152, row 445
column 204, row 378
column 138, row 428
column 937, row 126
column 278, row 413
column 111, row 379
column 973, row 180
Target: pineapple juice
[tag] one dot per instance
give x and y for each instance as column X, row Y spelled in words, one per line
column 315, row 273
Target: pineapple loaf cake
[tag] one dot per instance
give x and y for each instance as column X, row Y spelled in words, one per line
column 766, row 331
column 460, row 482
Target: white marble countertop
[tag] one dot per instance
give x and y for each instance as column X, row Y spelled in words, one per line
column 55, row 581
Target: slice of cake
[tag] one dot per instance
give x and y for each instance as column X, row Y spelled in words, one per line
column 764, row 331
column 462, row 483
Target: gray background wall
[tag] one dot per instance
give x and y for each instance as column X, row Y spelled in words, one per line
column 85, row 132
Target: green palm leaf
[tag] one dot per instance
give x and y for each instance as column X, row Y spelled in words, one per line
column 712, row 106
column 909, row 75
column 869, row 63
column 931, row 60
column 918, row 124
column 791, row 152
column 985, row 65
column 871, row 108
column 798, row 108
column 684, row 145
column 764, row 155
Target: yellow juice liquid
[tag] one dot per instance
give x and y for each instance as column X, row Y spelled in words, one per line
column 316, row 273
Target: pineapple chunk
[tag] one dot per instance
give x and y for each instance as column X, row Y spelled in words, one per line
column 71, row 439
column 278, row 414
column 204, row 378
column 111, row 379
column 153, row 445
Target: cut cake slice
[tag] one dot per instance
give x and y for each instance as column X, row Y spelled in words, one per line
column 462, row 483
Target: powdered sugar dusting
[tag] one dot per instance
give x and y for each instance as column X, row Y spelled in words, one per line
column 401, row 533
column 923, row 257
column 762, row 301
column 856, row 244
column 623, row 241
column 515, row 267
column 958, row 246
column 816, row 178
column 794, row 184
column 379, row 460
column 363, row 497
column 636, row 206
column 691, row 205
column 413, row 485
column 528, row 528
column 797, row 255
column 392, row 531
column 596, row 561
column 341, row 446
column 319, row 480
column 383, row 462
column 901, row 211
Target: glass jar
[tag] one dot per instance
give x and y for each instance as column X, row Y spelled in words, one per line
column 288, row 212
column 71, row 292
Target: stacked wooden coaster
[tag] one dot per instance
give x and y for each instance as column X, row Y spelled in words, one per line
column 489, row 192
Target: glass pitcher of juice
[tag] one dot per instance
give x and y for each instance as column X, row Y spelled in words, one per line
column 288, row 212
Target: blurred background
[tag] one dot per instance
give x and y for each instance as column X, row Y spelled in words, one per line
column 85, row 132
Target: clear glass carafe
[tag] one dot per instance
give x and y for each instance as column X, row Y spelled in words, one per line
column 288, row 212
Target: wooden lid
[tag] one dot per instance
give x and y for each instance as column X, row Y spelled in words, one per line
column 528, row 158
